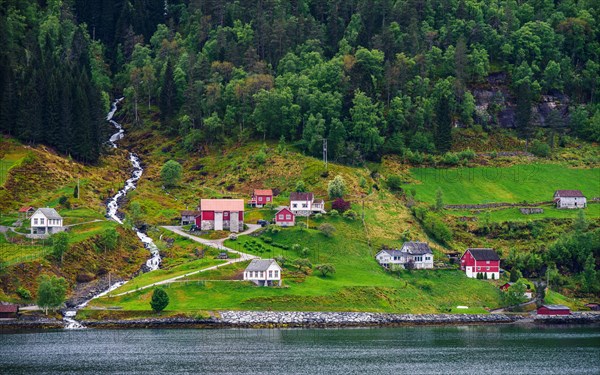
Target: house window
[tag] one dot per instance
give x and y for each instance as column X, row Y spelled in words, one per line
column 487, row 262
column 42, row 221
column 288, row 217
column 260, row 199
column 427, row 258
column 270, row 274
column 295, row 205
column 268, row 199
column 488, row 268
column 35, row 221
column 304, row 205
column 276, row 273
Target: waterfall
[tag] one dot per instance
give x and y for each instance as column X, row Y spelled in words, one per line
column 112, row 208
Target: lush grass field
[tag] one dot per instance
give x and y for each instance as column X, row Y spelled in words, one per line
column 518, row 183
column 359, row 284
column 11, row 159
column 513, row 214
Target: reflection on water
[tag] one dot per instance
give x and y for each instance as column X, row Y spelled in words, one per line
column 414, row 350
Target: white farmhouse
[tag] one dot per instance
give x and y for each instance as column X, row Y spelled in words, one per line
column 417, row 255
column 263, row 272
column 46, row 221
column 304, row 204
column 569, row 199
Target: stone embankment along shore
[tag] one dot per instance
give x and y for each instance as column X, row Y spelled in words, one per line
column 268, row 319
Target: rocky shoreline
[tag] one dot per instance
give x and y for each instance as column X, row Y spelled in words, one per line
column 291, row 319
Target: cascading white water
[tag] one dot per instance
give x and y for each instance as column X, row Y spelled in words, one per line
column 111, row 211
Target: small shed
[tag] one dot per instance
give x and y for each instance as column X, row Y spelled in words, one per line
column 189, row 216
column 593, row 306
column 553, row 310
column 26, row 211
column 9, row 311
column 263, row 272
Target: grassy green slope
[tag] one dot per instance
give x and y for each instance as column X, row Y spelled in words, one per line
column 518, row 183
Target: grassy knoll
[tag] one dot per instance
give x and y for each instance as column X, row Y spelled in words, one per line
column 10, row 159
column 518, row 183
column 513, row 214
column 358, row 285
column 555, row 298
column 163, row 274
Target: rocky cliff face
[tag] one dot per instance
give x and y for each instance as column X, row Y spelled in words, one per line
column 496, row 105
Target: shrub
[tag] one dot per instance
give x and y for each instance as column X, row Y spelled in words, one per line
column 281, row 260
column 362, row 182
column 540, row 149
column 160, row 300
column 296, row 247
column 305, row 251
column 267, row 239
column 450, row 158
column 301, row 225
column 340, row 205
column 171, row 172
column 300, row 186
column 336, row 187
column 350, row 214
column 327, row 229
column 24, row 293
column 437, row 228
column 394, row 183
column 467, row 154
column 303, row 265
column 333, row 213
column 318, row 216
column 273, row 229
column 325, row 268
column 64, row 201
column 260, row 157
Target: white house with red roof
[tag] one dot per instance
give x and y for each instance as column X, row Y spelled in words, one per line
column 304, row 204
column 221, row 214
column 285, row 218
column 481, row 261
column 569, row 199
column 261, row 197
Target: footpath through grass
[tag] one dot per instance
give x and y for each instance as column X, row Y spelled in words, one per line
column 518, row 183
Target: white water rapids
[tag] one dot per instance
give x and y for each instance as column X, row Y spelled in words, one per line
column 111, row 211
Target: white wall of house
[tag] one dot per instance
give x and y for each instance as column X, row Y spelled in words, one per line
column 271, row 274
column 472, row 273
column 40, row 224
column 571, row 202
column 301, row 208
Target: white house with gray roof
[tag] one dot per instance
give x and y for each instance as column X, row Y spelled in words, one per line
column 414, row 255
column 263, row 272
column 45, row 222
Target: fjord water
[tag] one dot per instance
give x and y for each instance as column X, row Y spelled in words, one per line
column 408, row 350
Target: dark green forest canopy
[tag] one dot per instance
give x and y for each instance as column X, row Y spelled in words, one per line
column 373, row 77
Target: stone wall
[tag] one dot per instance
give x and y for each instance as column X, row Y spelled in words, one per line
column 529, row 211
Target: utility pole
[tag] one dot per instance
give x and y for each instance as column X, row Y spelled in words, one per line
column 325, row 152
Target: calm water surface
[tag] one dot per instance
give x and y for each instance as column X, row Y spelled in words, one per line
column 412, row 350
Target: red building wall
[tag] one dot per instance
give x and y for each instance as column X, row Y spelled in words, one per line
column 545, row 311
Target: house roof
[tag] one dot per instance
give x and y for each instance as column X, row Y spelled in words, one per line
column 221, row 204
column 263, row 192
column 190, row 213
column 294, row 196
column 318, row 201
column 287, row 210
column 9, row 308
column 418, row 248
column 392, row 252
column 261, row 264
column 484, row 254
column 50, row 213
column 555, row 307
column 26, row 208
column 569, row 193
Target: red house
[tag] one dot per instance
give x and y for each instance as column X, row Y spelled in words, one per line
column 481, row 261
column 221, row 214
column 553, row 310
column 285, row 218
column 260, row 197
column 26, row 211
column 9, row 311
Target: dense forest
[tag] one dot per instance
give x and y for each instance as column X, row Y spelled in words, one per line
column 370, row 76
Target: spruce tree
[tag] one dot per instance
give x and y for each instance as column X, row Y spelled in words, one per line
column 167, row 95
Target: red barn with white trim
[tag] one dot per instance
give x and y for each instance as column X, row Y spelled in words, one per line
column 221, row 214
column 285, row 218
column 260, row 197
column 553, row 310
column 483, row 261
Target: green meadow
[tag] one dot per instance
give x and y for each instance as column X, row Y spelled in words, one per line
column 359, row 284
column 517, row 183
